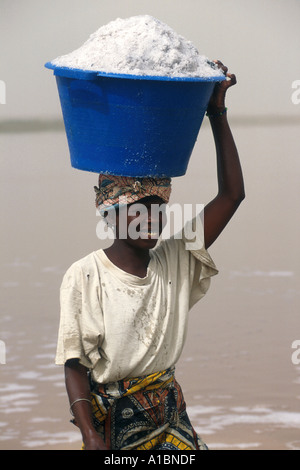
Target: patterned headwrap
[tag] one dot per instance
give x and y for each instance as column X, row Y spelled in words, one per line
column 115, row 191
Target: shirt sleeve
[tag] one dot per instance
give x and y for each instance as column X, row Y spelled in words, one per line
column 70, row 344
column 187, row 257
column 202, row 266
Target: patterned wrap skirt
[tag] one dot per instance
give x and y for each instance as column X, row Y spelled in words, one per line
column 144, row 413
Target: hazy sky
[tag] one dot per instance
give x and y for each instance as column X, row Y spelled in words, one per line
column 259, row 40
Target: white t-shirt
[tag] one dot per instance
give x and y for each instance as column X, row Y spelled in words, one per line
column 123, row 326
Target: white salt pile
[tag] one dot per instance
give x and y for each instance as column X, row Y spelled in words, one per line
column 139, row 45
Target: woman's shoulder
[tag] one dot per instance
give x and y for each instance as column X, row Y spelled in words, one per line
column 83, row 266
column 85, row 261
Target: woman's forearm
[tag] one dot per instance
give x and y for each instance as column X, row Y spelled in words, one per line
column 230, row 177
column 78, row 389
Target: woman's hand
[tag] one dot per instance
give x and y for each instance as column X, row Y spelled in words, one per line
column 217, row 101
column 94, row 442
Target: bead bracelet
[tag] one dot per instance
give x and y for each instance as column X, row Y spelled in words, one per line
column 217, row 114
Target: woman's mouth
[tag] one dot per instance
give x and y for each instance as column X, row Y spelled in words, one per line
column 150, row 231
column 148, row 234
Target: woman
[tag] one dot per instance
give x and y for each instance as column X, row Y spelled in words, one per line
column 124, row 310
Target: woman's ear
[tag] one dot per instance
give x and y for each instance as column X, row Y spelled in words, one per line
column 110, row 216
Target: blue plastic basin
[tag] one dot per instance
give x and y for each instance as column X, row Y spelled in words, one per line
column 131, row 125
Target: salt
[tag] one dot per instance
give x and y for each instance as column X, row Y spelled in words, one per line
column 139, row 45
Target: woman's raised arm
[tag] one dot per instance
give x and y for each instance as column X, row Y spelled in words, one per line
column 230, row 178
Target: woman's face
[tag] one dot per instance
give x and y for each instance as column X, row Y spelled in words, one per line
column 141, row 223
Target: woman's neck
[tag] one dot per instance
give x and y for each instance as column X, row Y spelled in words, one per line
column 130, row 259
